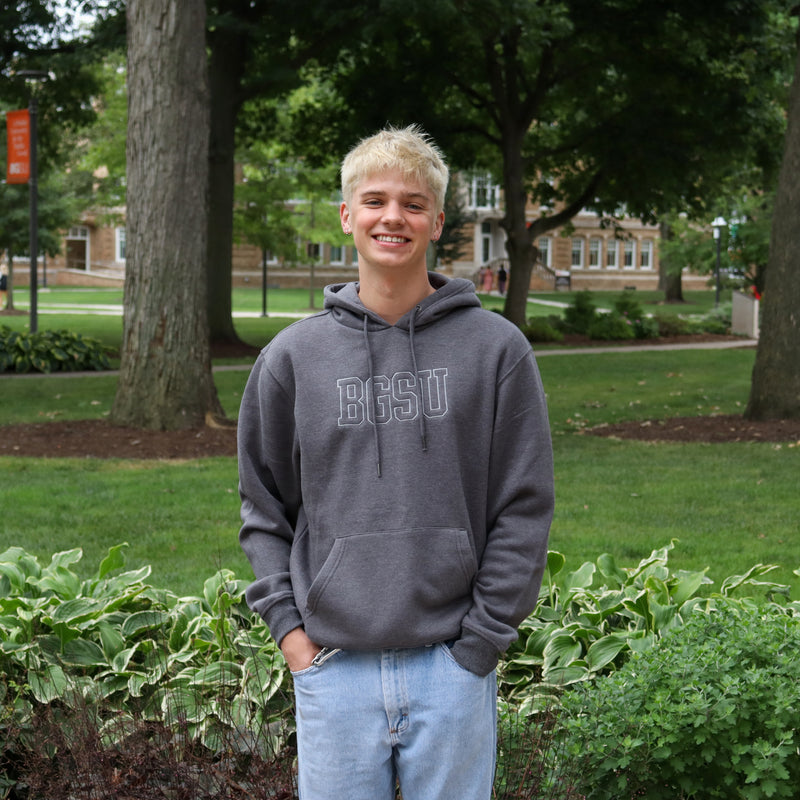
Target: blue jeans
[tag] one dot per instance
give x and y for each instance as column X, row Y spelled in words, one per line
column 366, row 720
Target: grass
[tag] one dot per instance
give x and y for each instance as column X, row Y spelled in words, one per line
column 730, row 505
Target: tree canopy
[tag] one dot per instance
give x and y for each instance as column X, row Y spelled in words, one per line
column 614, row 105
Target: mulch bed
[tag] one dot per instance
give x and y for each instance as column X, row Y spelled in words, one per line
column 101, row 439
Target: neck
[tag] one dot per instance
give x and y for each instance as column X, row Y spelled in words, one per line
column 390, row 298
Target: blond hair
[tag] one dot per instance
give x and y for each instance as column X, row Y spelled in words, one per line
column 409, row 150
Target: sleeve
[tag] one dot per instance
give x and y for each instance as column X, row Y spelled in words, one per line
column 269, row 487
column 519, row 513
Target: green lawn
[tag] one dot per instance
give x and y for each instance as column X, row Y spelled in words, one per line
column 731, row 506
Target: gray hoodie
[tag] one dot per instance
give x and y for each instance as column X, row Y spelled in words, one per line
column 397, row 480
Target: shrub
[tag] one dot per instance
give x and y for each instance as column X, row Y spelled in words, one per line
column 627, row 305
column 113, row 656
column 589, row 621
column 539, row 329
column 712, row 712
column 611, row 326
column 580, row 314
column 50, row 351
column 669, row 325
column 718, row 320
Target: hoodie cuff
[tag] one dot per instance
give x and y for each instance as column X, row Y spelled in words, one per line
column 280, row 618
column 475, row 654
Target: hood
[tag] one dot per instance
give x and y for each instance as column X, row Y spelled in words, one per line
column 346, row 307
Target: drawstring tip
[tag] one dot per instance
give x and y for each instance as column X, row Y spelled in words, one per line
column 379, row 468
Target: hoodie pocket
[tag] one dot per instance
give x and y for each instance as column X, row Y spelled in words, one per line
column 393, row 588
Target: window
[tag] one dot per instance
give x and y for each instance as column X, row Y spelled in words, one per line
column 630, row 254
column 646, row 255
column 486, row 242
column 314, row 250
column 78, row 232
column 337, row 254
column 577, row 254
column 354, row 256
column 482, row 192
column 612, row 254
column 121, row 245
column 545, row 251
column 594, row 253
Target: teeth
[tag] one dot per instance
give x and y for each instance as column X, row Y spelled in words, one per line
column 394, row 239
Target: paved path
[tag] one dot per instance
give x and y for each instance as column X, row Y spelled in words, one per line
column 116, row 310
column 571, row 351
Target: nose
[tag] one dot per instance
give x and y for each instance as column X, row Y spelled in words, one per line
column 392, row 213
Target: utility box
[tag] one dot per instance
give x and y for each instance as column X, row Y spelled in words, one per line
column 744, row 316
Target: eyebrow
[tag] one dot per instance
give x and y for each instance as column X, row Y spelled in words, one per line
column 380, row 193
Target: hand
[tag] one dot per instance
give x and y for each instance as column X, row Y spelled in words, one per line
column 298, row 650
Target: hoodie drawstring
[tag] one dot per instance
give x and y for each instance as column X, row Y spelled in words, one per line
column 423, row 429
column 370, row 374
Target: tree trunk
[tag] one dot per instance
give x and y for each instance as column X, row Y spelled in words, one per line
column 226, row 68
column 165, row 375
column 10, row 281
column 519, row 243
column 669, row 275
column 775, row 388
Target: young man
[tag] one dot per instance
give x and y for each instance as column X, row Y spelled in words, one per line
column 397, row 490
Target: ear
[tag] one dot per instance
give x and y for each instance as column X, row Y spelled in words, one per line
column 344, row 216
column 437, row 228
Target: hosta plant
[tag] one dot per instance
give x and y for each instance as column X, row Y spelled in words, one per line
column 588, row 621
column 118, row 649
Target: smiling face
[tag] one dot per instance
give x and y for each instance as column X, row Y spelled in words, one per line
column 392, row 218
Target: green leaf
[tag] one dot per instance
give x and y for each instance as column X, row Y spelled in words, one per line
column 143, row 621
column 72, row 612
column 608, row 568
column 605, row 650
column 83, row 652
column 47, row 684
column 113, row 561
column 687, row 584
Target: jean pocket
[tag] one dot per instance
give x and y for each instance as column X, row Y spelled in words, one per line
column 318, row 661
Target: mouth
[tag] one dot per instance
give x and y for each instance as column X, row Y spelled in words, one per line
column 391, row 239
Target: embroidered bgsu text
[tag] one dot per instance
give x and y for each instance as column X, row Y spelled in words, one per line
column 383, row 398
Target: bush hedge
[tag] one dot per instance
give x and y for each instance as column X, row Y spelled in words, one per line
column 111, row 672
column 627, row 320
column 50, row 351
column 712, row 712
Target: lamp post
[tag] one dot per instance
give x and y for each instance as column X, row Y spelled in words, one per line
column 718, row 224
column 33, row 188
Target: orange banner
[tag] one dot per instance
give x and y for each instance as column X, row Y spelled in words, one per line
column 19, row 146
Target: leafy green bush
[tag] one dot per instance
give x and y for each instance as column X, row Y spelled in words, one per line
column 580, row 314
column 669, row 325
column 719, row 319
column 627, row 305
column 539, row 329
column 611, row 326
column 50, row 351
column 588, row 622
column 121, row 652
column 712, row 712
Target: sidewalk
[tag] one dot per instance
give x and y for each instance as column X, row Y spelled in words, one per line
column 626, row 348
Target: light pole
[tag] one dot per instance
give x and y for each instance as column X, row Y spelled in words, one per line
column 718, row 224
column 33, row 188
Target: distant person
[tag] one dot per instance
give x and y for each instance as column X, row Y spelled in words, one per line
column 396, row 479
column 488, row 280
column 3, row 286
column 502, row 278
